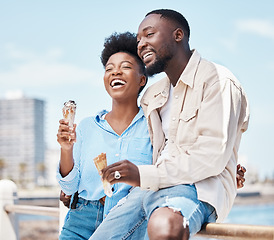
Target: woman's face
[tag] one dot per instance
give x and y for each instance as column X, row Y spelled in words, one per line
column 123, row 78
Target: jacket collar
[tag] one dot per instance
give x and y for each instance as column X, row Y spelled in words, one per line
column 160, row 90
column 188, row 75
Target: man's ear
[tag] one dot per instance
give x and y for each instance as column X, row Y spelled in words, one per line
column 178, row 34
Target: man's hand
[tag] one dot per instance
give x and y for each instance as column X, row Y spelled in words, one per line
column 65, row 199
column 129, row 173
column 240, row 176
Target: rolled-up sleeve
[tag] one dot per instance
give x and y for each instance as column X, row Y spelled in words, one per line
column 69, row 184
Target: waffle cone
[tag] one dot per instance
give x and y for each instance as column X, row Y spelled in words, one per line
column 101, row 162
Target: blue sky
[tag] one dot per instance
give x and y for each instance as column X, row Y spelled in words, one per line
column 50, row 50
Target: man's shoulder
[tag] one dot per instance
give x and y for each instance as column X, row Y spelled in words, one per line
column 156, row 88
column 213, row 72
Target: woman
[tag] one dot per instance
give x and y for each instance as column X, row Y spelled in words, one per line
column 121, row 133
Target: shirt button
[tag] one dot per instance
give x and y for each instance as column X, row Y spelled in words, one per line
column 174, row 118
column 119, row 139
column 117, row 154
column 176, row 96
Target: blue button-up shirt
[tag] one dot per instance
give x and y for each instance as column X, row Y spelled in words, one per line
column 95, row 136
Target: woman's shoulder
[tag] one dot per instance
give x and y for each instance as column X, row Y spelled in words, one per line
column 93, row 119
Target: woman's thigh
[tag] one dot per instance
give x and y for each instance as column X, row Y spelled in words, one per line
column 81, row 222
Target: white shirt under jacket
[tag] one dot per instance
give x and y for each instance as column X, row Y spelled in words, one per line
column 209, row 113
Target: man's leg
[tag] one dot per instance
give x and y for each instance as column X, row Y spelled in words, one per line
column 127, row 220
column 175, row 212
column 166, row 223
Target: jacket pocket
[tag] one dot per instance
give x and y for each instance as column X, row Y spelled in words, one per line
column 187, row 135
column 189, row 114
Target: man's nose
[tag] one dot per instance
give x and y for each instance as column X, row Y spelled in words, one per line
column 141, row 44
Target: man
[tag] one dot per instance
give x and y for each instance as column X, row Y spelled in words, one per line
column 196, row 116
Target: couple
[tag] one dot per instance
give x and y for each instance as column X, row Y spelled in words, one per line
column 196, row 116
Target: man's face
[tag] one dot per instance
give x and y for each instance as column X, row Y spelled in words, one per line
column 155, row 45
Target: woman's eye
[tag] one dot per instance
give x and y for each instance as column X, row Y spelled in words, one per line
column 127, row 67
column 108, row 69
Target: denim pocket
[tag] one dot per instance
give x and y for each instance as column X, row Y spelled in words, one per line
column 79, row 205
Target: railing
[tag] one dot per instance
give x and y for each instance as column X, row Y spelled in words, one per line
column 9, row 221
column 34, row 210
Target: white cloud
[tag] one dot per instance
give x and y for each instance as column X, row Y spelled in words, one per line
column 257, row 26
column 40, row 73
column 16, row 54
column 28, row 69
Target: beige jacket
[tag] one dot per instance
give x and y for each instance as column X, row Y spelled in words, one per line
column 208, row 116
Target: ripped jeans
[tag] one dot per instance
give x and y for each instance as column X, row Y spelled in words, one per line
column 128, row 219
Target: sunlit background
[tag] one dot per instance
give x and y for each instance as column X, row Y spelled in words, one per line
column 50, row 50
column 50, row 53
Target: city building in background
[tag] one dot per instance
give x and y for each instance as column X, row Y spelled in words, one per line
column 22, row 140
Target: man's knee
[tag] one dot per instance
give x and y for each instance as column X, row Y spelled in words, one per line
column 165, row 223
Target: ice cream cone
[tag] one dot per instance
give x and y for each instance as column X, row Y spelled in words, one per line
column 101, row 162
column 69, row 111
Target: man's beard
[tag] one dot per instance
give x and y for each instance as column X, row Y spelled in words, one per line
column 159, row 65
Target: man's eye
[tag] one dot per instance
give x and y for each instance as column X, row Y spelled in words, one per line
column 108, row 69
column 150, row 34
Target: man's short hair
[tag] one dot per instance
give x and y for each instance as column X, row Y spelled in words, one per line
column 174, row 16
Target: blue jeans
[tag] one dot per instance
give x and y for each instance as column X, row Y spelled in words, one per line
column 128, row 219
column 80, row 223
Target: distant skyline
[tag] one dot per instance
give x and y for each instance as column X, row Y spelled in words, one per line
column 50, row 50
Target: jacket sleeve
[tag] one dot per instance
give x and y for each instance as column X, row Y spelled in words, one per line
column 221, row 117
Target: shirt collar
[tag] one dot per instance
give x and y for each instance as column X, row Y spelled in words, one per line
column 99, row 116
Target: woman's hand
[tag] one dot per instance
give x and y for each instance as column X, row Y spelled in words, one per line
column 66, row 135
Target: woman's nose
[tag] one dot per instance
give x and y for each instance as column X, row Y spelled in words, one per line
column 116, row 71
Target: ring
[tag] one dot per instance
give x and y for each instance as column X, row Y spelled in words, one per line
column 117, row 175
